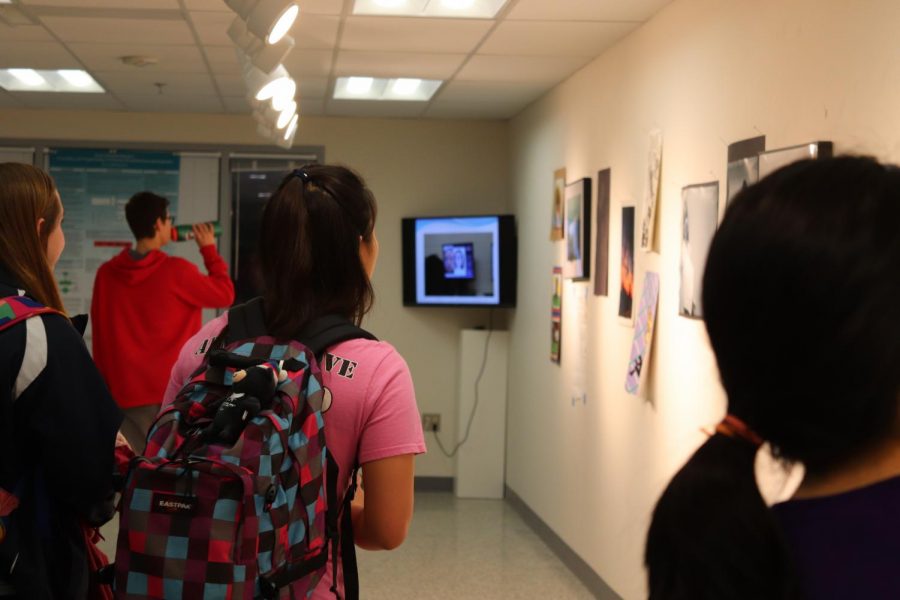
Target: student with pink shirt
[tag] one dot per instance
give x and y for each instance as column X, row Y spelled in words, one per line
column 317, row 252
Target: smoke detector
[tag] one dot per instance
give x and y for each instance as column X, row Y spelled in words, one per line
column 139, row 61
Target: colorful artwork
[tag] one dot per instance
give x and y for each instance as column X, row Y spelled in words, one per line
column 651, row 195
column 556, row 315
column 626, row 285
column 643, row 334
column 559, row 193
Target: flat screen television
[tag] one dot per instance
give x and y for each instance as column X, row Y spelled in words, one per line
column 459, row 261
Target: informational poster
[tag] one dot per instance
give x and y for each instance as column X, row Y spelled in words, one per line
column 651, row 194
column 638, row 363
column 95, row 185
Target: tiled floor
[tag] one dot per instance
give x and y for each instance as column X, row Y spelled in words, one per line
column 469, row 549
column 473, row 549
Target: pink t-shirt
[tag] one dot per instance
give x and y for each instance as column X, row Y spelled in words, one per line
column 373, row 404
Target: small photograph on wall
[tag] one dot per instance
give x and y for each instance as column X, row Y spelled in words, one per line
column 557, row 219
column 651, row 194
column 773, row 160
column 556, row 315
column 578, row 230
column 638, row 363
column 743, row 165
column 626, row 285
column 700, row 217
column 601, row 247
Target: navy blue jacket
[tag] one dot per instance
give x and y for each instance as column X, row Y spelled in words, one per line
column 56, row 446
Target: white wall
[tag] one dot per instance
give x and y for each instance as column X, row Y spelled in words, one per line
column 414, row 168
column 708, row 73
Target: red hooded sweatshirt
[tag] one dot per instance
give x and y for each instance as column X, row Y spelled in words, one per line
column 142, row 313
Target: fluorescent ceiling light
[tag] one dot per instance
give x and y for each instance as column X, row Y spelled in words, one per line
column 373, row 88
column 359, row 86
column 62, row 80
column 406, row 87
column 471, row 9
column 28, row 77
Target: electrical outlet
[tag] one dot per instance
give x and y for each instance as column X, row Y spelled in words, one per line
column 431, row 422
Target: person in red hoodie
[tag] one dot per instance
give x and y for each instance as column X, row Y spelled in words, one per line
column 146, row 305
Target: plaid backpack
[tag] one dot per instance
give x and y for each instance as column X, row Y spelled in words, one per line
column 252, row 519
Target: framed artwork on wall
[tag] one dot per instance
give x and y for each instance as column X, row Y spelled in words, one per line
column 556, row 315
column 651, row 193
column 699, row 220
column 773, row 160
column 557, row 218
column 601, row 254
column 643, row 335
column 578, row 229
column 743, row 165
column 626, row 281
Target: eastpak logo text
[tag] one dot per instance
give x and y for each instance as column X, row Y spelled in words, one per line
column 172, row 504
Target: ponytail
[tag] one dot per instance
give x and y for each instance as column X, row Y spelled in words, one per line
column 712, row 535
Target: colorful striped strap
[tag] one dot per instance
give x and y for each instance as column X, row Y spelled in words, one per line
column 15, row 309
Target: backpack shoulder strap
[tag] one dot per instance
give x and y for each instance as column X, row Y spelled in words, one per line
column 15, row 309
column 246, row 321
column 325, row 332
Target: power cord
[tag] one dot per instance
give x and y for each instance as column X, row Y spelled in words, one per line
column 487, row 341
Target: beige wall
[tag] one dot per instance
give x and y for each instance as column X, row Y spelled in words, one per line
column 707, row 72
column 414, row 168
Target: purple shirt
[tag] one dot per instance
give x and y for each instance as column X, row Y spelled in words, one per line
column 846, row 545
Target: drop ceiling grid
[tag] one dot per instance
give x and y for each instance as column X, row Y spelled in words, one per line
column 494, row 66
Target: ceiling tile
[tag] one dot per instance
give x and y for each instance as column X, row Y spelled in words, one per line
column 398, row 64
column 237, row 104
column 8, row 101
column 231, row 85
column 212, row 27
column 311, row 87
column 363, row 108
column 222, row 60
column 36, row 55
column 106, row 30
column 526, row 69
column 315, row 31
column 586, row 10
column 133, row 4
column 472, row 110
column 311, row 107
column 143, row 84
column 309, row 63
column 487, row 91
column 413, row 34
column 24, row 33
column 185, row 103
column 205, row 5
column 321, row 7
column 65, row 100
column 543, row 38
column 105, row 57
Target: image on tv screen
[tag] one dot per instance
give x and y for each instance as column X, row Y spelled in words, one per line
column 459, row 262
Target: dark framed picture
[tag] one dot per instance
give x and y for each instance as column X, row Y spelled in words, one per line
column 578, row 230
column 773, row 160
column 601, row 235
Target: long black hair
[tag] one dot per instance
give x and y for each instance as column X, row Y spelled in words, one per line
column 801, row 298
column 310, row 235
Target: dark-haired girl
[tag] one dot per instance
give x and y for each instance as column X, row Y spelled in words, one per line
column 317, row 253
column 801, row 297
